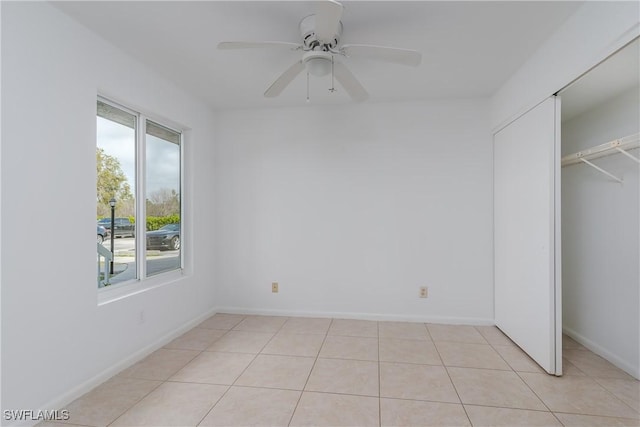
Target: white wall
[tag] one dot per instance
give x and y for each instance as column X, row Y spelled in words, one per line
column 353, row 208
column 0, row 214
column 56, row 340
column 601, row 236
column 595, row 31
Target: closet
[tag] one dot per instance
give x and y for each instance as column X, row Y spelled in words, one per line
column 600, row 214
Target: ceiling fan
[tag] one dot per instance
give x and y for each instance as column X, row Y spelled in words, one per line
column 320, row 46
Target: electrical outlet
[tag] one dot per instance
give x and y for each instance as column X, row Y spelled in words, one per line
column 424, row 292
column 274, row 287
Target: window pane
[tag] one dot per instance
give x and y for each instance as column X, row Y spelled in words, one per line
column 163, row 199
column 116, row 165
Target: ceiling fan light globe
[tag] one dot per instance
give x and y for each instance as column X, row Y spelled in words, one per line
column 318, row 66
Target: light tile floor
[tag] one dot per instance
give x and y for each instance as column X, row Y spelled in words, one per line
column 234, row 370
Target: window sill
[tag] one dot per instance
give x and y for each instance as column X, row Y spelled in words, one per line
column 124, row 290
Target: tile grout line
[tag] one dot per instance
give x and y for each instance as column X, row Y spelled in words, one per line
column 214, row 405
column 595, row 379
column 135, row 403
column 379, row 378
column 228, row 386
column 522, row 379
column 536, row 394
column 600, row 416
column 243, row 371
column 162, row 382
column 449, row 375
column 586, row 375
column 309, row 375
column 572, row 413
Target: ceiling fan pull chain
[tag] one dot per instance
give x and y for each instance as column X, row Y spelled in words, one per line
column 333, row 88
column 307, row 86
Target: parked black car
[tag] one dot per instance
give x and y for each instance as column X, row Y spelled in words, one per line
column 122, row 226
column 102, row 234
column 167, row 237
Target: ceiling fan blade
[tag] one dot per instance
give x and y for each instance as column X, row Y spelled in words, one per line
column 327, row 20
column 382, row 53
column 258, row 45
column 349, row 82
column 283, row 81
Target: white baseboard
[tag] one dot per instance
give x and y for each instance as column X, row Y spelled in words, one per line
column 629, row 368
column 360, row 316
column 103, row 376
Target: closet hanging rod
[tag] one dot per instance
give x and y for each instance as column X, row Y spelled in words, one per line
column 621, row 145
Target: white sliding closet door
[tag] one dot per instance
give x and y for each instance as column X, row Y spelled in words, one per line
column 527, row 233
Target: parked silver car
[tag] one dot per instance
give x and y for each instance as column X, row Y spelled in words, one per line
column 102, row 234
column 166, row 237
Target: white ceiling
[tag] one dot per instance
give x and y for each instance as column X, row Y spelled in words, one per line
column 469, row 48
column 618, row 74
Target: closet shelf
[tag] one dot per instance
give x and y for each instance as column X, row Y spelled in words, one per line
column 622, row 146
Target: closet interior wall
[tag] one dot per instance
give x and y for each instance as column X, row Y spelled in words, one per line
column 601, row 234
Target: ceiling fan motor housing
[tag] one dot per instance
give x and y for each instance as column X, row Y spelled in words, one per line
column 309, row 39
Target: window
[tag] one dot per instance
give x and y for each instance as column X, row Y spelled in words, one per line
column 163, row 198
column 139, row 178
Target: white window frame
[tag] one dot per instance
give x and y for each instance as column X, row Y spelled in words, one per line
column 142, row 283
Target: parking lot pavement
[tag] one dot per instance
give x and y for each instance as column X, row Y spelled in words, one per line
column 157, row 261
column 154, row 266
column 125, row 247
